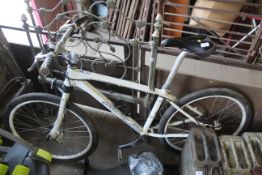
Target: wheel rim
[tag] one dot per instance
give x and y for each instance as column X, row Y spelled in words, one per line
column 211, row 114
column 24, row 123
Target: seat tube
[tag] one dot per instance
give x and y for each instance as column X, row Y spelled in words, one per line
column 174, row 70
column 61, row 111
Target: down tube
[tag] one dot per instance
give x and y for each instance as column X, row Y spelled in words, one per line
column 88, row 88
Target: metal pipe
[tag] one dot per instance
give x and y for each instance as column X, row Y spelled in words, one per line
column 110, row 94
column 212, row 20
column 120, row 96
column 230, row 53
column 167, row 23
column 212, row 58
column 214, row 37
column 249, row 33
column 255, row 46
column 229, row 47
column 212, row 9
column 25, row 26
column 239, row 2
column 222, row 40
column 30, row 11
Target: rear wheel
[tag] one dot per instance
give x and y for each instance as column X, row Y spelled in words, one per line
column 224, row 110
column 31, row 117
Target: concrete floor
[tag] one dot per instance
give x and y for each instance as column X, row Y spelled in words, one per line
column 113, row 133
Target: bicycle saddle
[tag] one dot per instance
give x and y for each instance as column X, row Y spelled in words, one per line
column 196, row 44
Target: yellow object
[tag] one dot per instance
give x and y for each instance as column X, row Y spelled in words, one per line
column 21, row 170
column 44, row 154
column 3, row 169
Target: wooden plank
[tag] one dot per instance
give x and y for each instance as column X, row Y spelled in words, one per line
column 255, row 46
column 155, row 4
column 110, row 15
column 131, row 11
column 146, row 18
column 140, row 17
column 120, row 17
column 116, row 15
column 123, row 25
column 134, row 16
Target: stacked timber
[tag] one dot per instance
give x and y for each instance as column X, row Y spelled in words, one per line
column 136, row 10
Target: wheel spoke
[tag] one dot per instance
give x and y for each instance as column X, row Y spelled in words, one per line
column 230, row 121
column 178, row 129
column 33, row 119
column 77, row 127
column 77, row 131
column 75, row 137
column 219, row 110
column 177, row 123
column 30, row 119
column 213, row 105
column 177, row 142
column 17, row 121
column 32, row 129
column 232, row 113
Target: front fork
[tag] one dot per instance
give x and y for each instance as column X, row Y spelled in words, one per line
column 54, row 134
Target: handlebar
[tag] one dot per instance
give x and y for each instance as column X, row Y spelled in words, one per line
column 62, row 41
column 47, row 59
column 77, row 22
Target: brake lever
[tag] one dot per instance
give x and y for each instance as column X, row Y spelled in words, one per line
column 39, row 57
column 33, row 66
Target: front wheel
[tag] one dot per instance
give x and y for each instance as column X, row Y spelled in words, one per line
column 31, row 117
column 224, row 110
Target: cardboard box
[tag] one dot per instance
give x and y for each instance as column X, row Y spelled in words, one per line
column 207, row 15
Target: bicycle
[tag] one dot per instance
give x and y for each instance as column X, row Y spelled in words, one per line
column 59, row 126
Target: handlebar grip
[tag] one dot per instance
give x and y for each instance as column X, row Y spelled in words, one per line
column 45, row 70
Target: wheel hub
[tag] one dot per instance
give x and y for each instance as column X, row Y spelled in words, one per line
column 58, row 137
column 216, row 125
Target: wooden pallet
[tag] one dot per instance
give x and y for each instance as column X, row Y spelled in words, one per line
column 130, row 9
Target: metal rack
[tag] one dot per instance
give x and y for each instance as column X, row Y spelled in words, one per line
column 241, row 41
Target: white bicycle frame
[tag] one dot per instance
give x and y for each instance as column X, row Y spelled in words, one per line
column 79, row 78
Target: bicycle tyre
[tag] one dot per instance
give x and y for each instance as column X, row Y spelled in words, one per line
column 194, row 97
column 73, row 146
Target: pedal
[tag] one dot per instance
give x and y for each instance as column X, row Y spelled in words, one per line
column 134, row 143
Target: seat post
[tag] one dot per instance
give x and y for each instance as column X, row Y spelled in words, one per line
column 174, row 70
